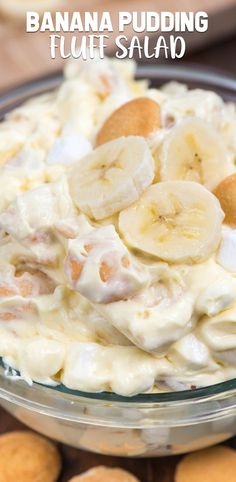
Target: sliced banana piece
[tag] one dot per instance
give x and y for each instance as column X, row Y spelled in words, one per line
column 176, row 221
column 112, row 177
column 194, row 151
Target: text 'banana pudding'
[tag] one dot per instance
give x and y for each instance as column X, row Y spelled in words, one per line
column 118, row 234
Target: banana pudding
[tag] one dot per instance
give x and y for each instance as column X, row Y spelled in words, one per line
column 118, row 234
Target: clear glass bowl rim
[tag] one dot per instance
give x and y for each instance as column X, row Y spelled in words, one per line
column 194, row 76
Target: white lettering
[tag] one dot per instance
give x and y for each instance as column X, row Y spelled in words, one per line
column 161, row 44
column 167, row 21
column 201, row 23
column 54, row 46
column 85, row 47
column 124, row 50
column 175, row 54
column 125, row 18
column 153, row 22
column 47, row 22
column 32, row 22
column 106, row 23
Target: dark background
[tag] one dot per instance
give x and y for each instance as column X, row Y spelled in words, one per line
column 221, row 55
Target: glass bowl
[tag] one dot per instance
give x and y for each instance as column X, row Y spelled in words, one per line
column 147, row 424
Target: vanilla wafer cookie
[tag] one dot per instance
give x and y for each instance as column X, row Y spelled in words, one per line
column 27, row 457
column 216, row 464
column 105, row 474
column 138, row 117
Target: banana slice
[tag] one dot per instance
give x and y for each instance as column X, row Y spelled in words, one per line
column 194, row 151
column 112, row 177
column 176, row 221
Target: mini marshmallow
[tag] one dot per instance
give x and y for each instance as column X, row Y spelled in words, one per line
column 68, row 149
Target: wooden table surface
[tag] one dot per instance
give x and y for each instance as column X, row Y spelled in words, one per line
column 148, row 470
